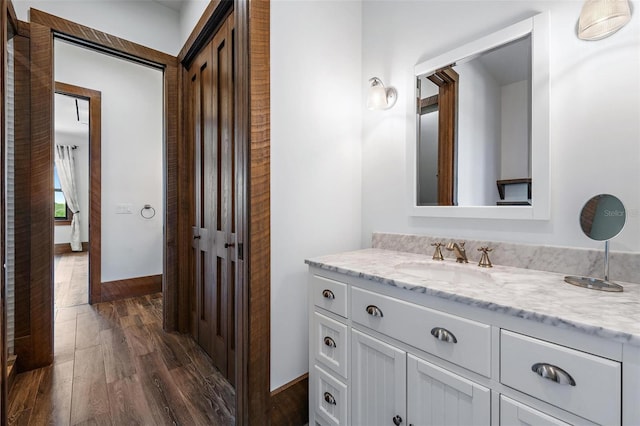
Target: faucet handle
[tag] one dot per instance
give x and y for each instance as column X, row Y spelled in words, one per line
column 485, row 262
column 437, row 254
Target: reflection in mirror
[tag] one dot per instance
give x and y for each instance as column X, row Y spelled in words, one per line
column 474, row 129
column 481, row 147
column 601, row 219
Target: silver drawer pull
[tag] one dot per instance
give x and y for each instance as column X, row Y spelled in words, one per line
column 553, row 373
column 374, row 311
column 329, row 342
column 328, row 294
column 443, row 334
column 329, row 398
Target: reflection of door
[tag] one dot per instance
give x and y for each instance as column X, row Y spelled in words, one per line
column 447, row 81
column 211, row 110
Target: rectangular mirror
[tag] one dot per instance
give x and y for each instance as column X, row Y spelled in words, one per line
column 482, row 140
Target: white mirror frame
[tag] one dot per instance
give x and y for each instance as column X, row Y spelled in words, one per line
column 538, row 27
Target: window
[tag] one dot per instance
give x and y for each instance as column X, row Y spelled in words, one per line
column 61, row 212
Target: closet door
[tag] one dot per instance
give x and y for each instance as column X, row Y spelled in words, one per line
column 214, row 238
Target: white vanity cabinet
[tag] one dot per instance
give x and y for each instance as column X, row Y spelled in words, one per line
column 379, row 384
column 385, row 355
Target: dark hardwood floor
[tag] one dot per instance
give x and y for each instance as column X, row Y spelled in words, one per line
column 114, row 365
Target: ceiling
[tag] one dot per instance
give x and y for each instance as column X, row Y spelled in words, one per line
column 172, row 4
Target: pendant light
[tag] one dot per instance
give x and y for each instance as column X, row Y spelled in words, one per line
column 601, row 18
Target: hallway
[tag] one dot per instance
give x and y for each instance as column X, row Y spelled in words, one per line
column 113, row 364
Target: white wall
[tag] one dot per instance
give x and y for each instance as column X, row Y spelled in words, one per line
column 515, row 152
column 142, row 21
column 189, row 16
column 594, row 127
column 132, row 155
column 478, row 148
column 62, row 233
column 316, row 100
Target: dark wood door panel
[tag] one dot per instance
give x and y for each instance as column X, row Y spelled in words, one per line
column 211, row 107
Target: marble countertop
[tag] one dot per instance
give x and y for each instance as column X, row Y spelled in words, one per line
column 525, row 293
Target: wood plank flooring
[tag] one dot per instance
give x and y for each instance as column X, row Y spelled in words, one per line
column 114, row 365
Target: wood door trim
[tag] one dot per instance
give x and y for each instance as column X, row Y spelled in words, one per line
column 98, row 38
column 42, row 30
column 95, row 182
column 255, row 25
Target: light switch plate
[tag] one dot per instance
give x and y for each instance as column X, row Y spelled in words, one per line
column 124, row 209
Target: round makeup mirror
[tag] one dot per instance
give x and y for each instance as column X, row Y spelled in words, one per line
column 601, row 219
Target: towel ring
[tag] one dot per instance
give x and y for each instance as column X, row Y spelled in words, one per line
column 148, row 207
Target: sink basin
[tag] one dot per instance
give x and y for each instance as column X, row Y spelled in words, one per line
column 447, row 273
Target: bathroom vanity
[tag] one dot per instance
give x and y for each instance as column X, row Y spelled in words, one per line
column 400, row 339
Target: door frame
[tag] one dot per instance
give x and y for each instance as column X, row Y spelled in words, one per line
column 95, row 181
column 43, row 28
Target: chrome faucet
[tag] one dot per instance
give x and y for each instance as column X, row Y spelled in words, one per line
column 459, row 251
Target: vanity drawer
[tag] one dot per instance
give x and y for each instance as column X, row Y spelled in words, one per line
column 330, row 343
column 591, row 387
column 454, row 339
column 329, row 397
column 513, row 413
column 329, row 294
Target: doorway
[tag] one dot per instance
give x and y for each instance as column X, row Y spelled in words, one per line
column 71, row 171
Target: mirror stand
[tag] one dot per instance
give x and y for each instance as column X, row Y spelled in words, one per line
column 596, row 283
column 602, row 218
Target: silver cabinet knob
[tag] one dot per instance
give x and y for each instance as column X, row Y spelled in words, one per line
column 374, row 311
column 329, row 398
column 553, row 373
column 329, row 342
column 328, row 294
column 443, row 334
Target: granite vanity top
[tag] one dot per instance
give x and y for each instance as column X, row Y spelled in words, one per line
column 525, row 293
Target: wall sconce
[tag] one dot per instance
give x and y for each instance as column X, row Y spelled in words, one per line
column 601, row 18
column 380, row 97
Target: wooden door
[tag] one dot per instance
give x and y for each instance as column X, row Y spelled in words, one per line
column 211, row 108
column 439, row 397
column 379, row 382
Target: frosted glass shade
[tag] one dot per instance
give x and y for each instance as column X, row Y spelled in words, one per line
column 601, row 18
column 377, row 97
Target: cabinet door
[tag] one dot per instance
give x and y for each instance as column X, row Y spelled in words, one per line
column 378, row 393
column 439, row 397
column 513, row 413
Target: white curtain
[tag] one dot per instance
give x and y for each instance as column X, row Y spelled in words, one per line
column 65, row 165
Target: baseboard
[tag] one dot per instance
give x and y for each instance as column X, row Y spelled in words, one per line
column 131, row 287
column 65, row 248
column 290, row 403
